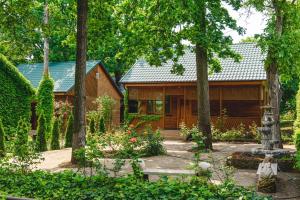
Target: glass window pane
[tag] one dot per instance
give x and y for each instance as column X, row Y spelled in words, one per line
column 133, row 106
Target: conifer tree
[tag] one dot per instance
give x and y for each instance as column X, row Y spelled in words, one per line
column 92, row 126
column 2, row 138
column 55, row 135
column 101, row 126
column 41, row 143
column 69, row 132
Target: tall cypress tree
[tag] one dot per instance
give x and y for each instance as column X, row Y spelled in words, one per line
column 55, row 135
column 2, row 136
column 69, row 132
column 41, row 143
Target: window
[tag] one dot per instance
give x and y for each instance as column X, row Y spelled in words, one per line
column 235, row 108
column 194, row 108
column 154, row 107
column 214, row 108
column 133, row 106
column 168, row 105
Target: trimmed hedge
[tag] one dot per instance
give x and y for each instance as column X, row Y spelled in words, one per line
column 2, row 138
column 41, row 143
column 55, row 135
column 16, row 95
column 45, row 105
column 71, row 186
column 69, row 132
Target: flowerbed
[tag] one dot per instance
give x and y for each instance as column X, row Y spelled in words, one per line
column 69, row 185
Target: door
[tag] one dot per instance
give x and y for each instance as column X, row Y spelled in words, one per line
column 181, row 110
column 171, row 120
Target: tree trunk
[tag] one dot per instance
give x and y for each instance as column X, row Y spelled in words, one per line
column 46, row 40
column 203, row 95
column 203, row 106
column 273, row 77
column 80, row 72
column 275, row 96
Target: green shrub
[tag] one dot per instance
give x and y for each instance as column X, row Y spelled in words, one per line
column 69, row 132
column 24, row 156
column 92, row 126
column 105, row 108
column 71, row 186
column 45, row 99
column 16, row 96
column 126, row 113
column 2, row 138
column 153, row 146
column 297, row 121
column 101, row 126
column 55, row 135
column 41, row 142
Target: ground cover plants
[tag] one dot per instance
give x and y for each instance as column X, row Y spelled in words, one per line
column 69, row 185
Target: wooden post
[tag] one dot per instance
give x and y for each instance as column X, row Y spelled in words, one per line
column 221, row 100
column 164, row 106
column 184, row 105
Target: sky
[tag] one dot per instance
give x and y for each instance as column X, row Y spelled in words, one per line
column 254, row 23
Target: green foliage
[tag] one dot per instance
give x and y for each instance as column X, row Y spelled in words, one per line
column 24, row 156
column 142, row 118
column 71, row 186
column 92, row 125
column 69, row 132
column 21, row 143
column 105, row 106
column 16, row 95
column 55, row 135
column 153, row 146
column 101, row 126
column 297, row 121
column 297, row 139
column 126, row 114
column 41, row 143
column 2, row 139
column 45, row 105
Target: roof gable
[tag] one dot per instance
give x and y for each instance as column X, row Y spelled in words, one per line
column 63, row 73
column 250, row 68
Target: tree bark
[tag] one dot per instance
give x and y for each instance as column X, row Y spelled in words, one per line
column 202, row 81
column 203, row 95
column 46, row 40
column 273, row 78
column 80, row 73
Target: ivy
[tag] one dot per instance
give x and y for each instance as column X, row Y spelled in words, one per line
column 41, row 143
column 16, row 95
column 69, row 132
column 45, row 98
column 2, row 136
column 55, row 135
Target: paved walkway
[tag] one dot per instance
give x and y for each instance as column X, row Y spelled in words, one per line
column 179, row 157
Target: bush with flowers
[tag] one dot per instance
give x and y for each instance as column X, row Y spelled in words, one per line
column 128, row 143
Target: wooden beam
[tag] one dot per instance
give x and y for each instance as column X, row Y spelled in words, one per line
column 184, row 106
column 221, row 99
column 211, row 83
column 164, row 106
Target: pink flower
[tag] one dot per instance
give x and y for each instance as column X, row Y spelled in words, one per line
column 133, row 140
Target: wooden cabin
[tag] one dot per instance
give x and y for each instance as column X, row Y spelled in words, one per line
column 239, row 90
column 98, row 83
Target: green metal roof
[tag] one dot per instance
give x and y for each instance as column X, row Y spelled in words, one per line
column 250, row 68
column 63, row 73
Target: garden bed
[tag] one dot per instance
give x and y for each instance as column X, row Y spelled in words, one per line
column 247, row 160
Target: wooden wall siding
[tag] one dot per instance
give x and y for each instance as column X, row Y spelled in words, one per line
column 146, row 93
column 99, row 87
column 242, row 101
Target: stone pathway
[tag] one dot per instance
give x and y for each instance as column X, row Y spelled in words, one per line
column 179, row 157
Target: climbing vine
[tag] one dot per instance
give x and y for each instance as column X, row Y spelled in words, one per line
column 16, row 95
